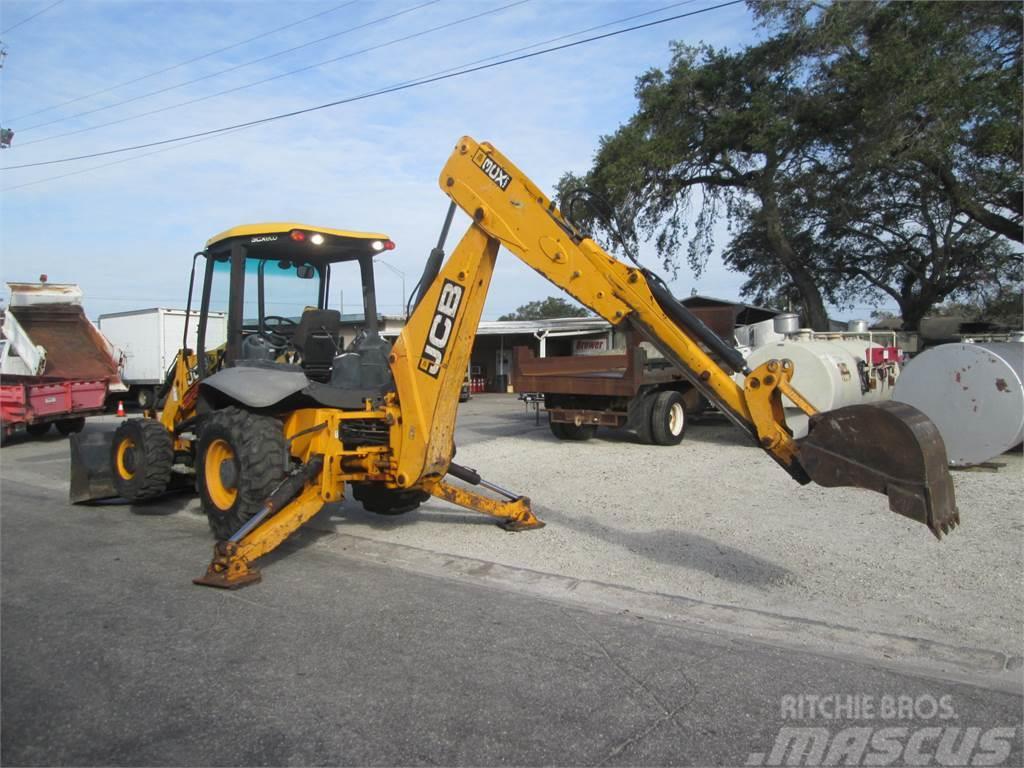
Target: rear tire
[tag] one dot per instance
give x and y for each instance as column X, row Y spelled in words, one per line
column 571, row 431
column 668, row 418
column 38, row 429
column 643, row 419
column 71, row 426
column 141, row 457
column 387, row 501
column 240, row 461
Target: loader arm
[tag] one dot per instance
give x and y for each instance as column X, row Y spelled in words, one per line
column 902, row 455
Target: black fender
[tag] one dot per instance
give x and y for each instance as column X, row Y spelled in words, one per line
column 257, row 386
column 270, row 385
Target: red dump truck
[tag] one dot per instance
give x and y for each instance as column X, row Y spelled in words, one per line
column 56, row 368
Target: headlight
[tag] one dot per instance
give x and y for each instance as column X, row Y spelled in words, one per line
column 317, row 239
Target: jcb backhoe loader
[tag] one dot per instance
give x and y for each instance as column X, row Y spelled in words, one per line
column 277, row 422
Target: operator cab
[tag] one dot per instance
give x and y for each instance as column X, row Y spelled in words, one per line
column 275, row 282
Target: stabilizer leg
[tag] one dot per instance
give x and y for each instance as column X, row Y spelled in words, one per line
column 281, row 515
column 515, row 512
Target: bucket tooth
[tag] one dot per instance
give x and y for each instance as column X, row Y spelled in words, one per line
column 888, row 447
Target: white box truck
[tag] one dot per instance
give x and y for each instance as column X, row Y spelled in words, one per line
column 150, row 338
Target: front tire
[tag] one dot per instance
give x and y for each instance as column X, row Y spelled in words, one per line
column 387, row 501
column 141, row 456
column 240, row 463
column 668, row 418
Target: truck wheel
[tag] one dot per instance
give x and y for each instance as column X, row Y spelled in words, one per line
column 38, row 429
column 643, row 419
column 141, row 456
column 146, row 398
column 240, row 462
column 387, row 501
column 71, row 426
column 571, row 431
column 668, row 418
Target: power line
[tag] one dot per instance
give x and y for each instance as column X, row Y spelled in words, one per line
column 561, row 37
column 114, row 162
column 193, row 60
column 218, row 73
column 439, row 72
column 226, row 91
column 34, row 15
column 427, row 80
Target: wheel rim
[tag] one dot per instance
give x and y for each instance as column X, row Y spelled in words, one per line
column 676, row 419
column 221, row 493
column 126, row 459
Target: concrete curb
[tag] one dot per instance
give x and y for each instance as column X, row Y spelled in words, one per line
column 906, row 654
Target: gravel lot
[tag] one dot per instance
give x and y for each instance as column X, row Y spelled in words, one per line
column 713, row 520
column 716, row 520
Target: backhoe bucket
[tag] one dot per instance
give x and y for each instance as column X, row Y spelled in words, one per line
column 92, row 478
column 888, row 447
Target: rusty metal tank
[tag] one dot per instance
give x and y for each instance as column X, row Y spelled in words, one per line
column 973, row 392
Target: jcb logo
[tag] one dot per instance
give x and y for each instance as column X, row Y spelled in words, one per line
column 494, row 172
column 441, row 326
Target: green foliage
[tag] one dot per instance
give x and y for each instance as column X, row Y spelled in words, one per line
column 546, row 309
column 867, row 151
column 1003, row 306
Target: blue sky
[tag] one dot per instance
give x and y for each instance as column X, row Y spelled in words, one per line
column 126, row 231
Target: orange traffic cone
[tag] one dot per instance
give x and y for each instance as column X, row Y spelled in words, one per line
column 120, row 407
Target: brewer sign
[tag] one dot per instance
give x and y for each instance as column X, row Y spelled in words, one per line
column 589, row 346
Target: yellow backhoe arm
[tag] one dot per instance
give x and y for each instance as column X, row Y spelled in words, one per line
column 905, row 457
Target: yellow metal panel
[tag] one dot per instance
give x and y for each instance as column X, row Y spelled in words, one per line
column 430, row 357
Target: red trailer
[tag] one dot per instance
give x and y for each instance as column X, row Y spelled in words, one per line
column 36, row 403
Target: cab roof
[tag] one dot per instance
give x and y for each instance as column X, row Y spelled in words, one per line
column 285, row 227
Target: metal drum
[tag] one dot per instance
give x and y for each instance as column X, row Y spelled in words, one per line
column 973, row 393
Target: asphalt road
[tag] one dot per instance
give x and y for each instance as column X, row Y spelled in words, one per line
column 111, row 656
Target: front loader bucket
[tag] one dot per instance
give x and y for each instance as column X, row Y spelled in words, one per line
column 888, row 447
column 92, row 478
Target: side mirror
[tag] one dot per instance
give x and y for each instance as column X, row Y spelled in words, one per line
column 305, row 272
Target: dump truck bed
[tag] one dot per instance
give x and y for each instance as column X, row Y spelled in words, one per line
column 610, row 375
column 74, row 348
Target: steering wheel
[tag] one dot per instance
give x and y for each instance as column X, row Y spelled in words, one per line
column 279, row 341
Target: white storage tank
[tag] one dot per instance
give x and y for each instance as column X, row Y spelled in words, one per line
column 831, row 371
column 973, row 393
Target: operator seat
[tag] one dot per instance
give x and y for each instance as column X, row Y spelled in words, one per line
column 316, row 338
column 364, row 366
